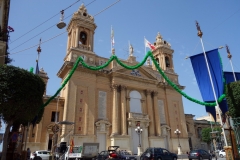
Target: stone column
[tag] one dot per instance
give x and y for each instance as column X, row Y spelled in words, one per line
column 115, row 130
column 156, row 114
column 150, row 113
column 77, row 37
column 123, row 109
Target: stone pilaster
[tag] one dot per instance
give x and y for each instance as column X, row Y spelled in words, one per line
column 124, row 111
column 77, row 37
column 86, row 120
column 156, row 113
column 115, row 130
column 150, row 112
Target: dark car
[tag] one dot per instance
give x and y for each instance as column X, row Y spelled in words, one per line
column 102, row 155
column 199, row 154
column 158, row 154
column 126, row 155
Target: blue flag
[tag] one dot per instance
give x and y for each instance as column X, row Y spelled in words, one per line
column 201, row 73
column 229, row 76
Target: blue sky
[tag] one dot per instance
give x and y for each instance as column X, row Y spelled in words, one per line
column 131, row 21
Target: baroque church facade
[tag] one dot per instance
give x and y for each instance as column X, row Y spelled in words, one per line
column 107, row 105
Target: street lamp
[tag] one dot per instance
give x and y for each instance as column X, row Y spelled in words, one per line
column 177, row 132
column 139, row 131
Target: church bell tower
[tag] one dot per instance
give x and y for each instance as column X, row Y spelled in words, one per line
column 163, row 54
column 81, row 31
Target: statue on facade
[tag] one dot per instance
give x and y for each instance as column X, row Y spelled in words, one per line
column 131, row 50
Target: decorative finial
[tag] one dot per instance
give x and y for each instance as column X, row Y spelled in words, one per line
column 228, row 52
column 39, row 49
column 200, row 33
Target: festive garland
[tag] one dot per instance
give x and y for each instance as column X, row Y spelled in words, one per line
column 114, row 57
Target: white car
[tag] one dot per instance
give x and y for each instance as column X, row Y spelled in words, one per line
column 222, row 153
column 42, row 153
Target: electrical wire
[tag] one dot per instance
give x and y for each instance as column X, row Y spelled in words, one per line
column 106, row 8
column 43, row 22
column 58, row 34
column 36, row 44
column 45, row 30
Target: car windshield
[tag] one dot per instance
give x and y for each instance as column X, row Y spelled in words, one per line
column 194, row 151
column 126, row 153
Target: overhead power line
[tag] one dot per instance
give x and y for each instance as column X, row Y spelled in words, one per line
column 58, row 34
column 45, row 29
column 43, row 22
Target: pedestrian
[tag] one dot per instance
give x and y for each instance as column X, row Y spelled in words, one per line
column 36, row 157
column 28, row 153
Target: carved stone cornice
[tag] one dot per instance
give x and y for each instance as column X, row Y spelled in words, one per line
column 133, row 118
column 114, row 86
column 122, row 87
column 148, row 92
column 154, row 93
column 128, row 98
column 103, row 126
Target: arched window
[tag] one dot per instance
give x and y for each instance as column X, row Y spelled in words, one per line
column 83, row 38
column 167, row 61
column 135, row 102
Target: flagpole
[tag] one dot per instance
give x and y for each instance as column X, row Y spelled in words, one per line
column 111, row 38
column 230, row 59
column 214, row 93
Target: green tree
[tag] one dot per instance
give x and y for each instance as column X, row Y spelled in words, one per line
column 233, row 98
column 206, row 133
column 21, row 95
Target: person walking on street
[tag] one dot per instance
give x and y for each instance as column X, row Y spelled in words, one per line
column 28, row 153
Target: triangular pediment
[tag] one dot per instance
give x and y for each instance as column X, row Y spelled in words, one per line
column 140, row 72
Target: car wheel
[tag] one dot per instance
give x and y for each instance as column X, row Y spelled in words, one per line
column 200, row 158
column 174, row 158
column 210, row 158
column 159, row 159
column 190, row 159
column 221, row 155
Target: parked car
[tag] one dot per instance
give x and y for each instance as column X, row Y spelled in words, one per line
column 102, row 155
column 126, row 155
column 113, row 153
column 42, row 153
column 199, row 154
column 222, row 153
column 158, row 153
